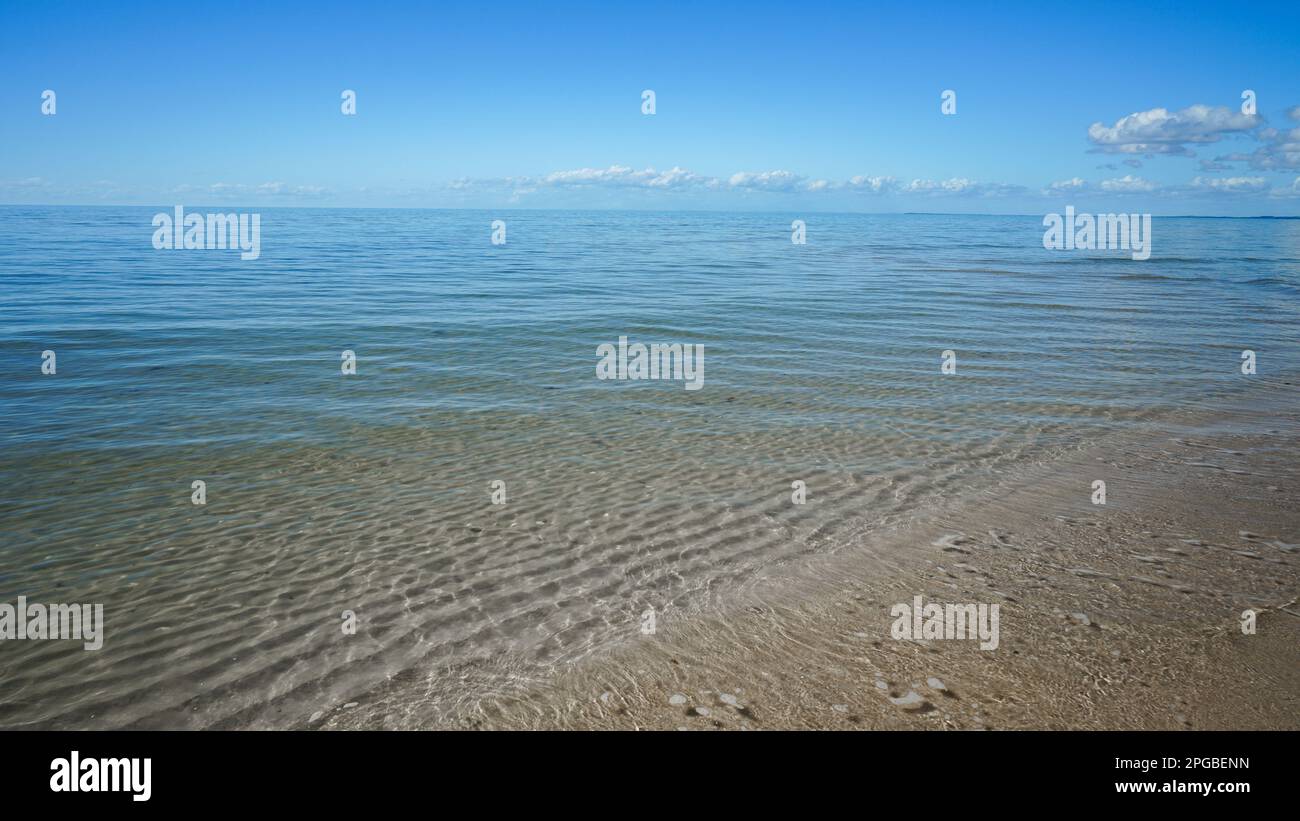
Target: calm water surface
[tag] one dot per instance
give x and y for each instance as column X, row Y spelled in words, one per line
column 476, row 363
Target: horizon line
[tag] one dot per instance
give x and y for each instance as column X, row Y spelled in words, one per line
column 630, row 210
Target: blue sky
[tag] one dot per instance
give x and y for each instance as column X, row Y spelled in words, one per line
column 759, row 106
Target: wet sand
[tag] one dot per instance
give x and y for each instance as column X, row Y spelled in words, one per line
column 1122, row 616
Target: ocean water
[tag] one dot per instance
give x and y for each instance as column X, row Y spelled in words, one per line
column 476, row 364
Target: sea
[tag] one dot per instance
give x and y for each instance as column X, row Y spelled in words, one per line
column 384, row 448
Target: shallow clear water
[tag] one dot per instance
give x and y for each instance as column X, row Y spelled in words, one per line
column 477, row 363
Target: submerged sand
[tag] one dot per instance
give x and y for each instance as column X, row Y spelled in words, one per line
column 1118, row 616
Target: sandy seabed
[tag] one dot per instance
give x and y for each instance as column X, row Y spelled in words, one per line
column 1126, row 615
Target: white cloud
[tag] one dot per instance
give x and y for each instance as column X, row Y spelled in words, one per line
column 765, row 181
column 238, row 189
column 789, row 183
column 960, row 186
column 1072, row 184
column 1231, row 185
column 1158, row 131
column 1128, row 184
column 779, row 182
column 955, row 185
column 876, row 185
column 620, row 176
column 1281, row 150
column 1292, row 191
column 860, row 183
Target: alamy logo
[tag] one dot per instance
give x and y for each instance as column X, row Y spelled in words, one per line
column 656, row 361
column 1106, row 232
column 75, row 774
column 191, row 232
column 83, row 622
column 946, row 621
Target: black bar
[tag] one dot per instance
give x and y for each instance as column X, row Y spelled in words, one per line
column 439, row 771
